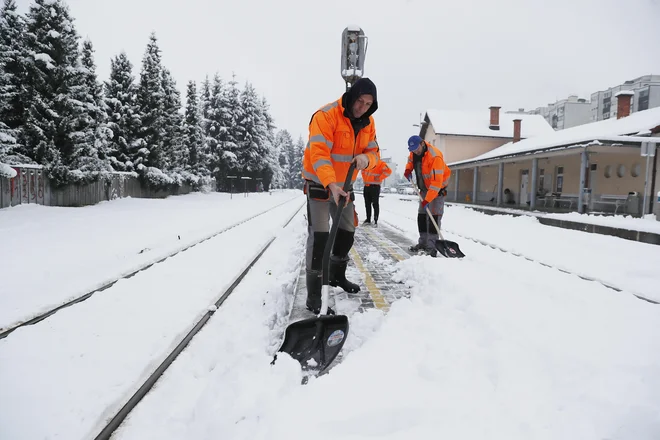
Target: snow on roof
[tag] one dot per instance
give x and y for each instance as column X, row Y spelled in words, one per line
column 476, row 123
column 608, row 130
column 625, row 92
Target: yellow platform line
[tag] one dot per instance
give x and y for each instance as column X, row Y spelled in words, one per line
column 375, row 293
column 385, row 245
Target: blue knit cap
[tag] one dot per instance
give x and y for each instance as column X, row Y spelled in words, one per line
column 413, row 142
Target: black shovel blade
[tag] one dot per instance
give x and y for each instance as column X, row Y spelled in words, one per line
column 316, row 342
column 449, row 249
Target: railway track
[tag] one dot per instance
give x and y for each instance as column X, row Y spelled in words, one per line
column 132, row 272
column 115, row 422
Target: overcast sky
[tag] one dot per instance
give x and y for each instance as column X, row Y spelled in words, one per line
column 459, row 54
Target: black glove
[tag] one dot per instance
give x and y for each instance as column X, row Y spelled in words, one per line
column 443, row 192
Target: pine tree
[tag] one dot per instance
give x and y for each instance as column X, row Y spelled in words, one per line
column 214, row 129
column 12, row 59
column 9, row 149
column 222, row 130
column 56, row 117
column 253, row 146
column 231, row 117
column 95, row 135
column 205, row 103
column 284, row 145
column 194, row 137
column 273, row 174
column 151, row 102
column 122, row 111
column 93, row 87
column 296, row 164
column 175, row 153
column 292, row 158
column 12, row 67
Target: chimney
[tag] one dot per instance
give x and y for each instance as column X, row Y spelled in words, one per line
column 516, row 130
column 623, row 103
column 494, row 118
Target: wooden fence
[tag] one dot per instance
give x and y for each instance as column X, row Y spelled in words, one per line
column 31, row 185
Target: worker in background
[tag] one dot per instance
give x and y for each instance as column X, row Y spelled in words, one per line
column 432, row 177
column 373, row 180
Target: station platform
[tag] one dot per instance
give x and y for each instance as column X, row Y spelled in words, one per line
column 375, row 252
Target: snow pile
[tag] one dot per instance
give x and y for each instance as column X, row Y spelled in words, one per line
column 6, row 171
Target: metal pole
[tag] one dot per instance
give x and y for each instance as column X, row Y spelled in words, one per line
column 475, row 182
column 647, row 180
column 535, row 178
column 231, row 186
column 456, row 187
column 584, row 164
column 500, row 182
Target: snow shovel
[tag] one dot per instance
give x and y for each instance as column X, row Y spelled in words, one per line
column 446, row 248
column 316, row 342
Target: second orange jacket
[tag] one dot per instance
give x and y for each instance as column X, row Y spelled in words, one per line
column 376, row 175
column 435, row 171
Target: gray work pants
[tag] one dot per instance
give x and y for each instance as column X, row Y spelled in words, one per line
column 319, row 210
column 427, row 232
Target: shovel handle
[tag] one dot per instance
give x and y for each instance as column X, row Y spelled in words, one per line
column 333, row 234
column 428, row 211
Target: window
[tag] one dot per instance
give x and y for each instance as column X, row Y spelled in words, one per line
column 559, row 181
column 608, row 171
column 643, row 101
column 541, row 179
column 635, row 170
column 621, row 170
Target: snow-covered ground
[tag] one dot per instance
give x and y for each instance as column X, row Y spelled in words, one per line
column 54, row 254
column 648, row 223
column 626, row 264
column 491, row 346
column 68, row 370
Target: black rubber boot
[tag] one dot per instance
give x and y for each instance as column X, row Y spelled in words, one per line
column 338, row 275
column 314, row 286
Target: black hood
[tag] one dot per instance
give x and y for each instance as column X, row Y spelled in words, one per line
column 362, row 86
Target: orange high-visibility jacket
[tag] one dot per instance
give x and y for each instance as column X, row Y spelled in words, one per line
column 376, row 175
column 332, row 146
column 435, row 171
